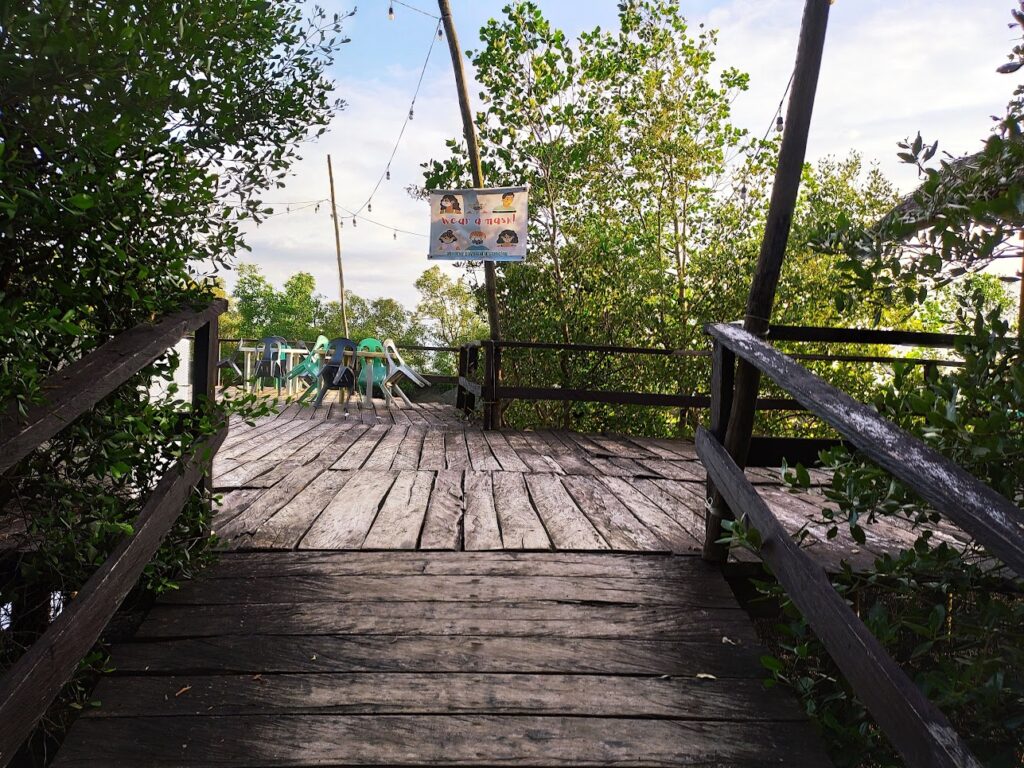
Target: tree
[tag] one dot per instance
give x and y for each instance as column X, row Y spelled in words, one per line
column 647, row 204
column 447, row 308
column 134, row 140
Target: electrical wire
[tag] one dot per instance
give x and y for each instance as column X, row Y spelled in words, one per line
column 414, row 8
column 409, row 116
column 357, row 215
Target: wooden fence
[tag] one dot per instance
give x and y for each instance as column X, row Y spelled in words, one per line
column 29, row 687
column 921, row 733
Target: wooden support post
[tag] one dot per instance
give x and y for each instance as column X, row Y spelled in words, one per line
column 204, row 385
column 473, row 153
column 776, row 235
column 460, row 393
column 337, row 249
column 472, row 363
column 491, row 416
column 723, row 378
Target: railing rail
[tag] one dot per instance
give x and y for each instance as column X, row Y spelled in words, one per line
column 30, row 685
column 918, row 730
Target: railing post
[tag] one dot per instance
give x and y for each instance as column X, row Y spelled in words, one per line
column 460, row 392
column 472, row 363
column 488, row 388
column 204, row 383
column 495, row 401
column 723, row 380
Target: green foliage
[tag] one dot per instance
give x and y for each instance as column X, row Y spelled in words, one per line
column 133, row 141
column 448, row 311
column 647, row 205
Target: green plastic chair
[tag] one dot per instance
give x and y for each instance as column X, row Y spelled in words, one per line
column 380, row 370
column 309, row 368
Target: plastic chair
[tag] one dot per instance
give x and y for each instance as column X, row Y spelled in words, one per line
column 309, row 368
column 397, row 369
column 272, row 363
column 380, row 370
column 336, row 373
column 231, row 362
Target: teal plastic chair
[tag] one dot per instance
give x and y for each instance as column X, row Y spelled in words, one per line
column 309, row 368
column 380, row 369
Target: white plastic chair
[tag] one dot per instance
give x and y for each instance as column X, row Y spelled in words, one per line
column 397, row 368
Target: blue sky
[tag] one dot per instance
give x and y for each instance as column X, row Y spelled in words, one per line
column 889, row 70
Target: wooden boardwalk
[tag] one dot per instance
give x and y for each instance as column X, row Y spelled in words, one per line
column 351, row 622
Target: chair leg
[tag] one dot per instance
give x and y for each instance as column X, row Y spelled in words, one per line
column 401, row 394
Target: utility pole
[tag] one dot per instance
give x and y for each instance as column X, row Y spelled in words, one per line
column 337, row 248
column 773, row 250
column 492, row 414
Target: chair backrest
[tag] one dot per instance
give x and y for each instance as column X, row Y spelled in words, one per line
column 339, row 346
column 371, row 345
column 272, row 346
column 394, row 356
column 321, row 343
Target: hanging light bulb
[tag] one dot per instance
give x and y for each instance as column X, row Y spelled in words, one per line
column 391, row 12
column 778, row 124
column 394, row 235
column 410, row 113
column 440, row 33
column 743, row 192
column 353, row 221
column 369, row 207
column 387, row 174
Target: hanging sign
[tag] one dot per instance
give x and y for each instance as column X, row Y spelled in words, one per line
column 478, row 224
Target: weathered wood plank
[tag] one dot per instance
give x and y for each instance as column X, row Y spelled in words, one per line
column 526, row 453
column 455, row 450
column 503, row 452
column 689, row 698
column 347, row 519
column 262, row 740
column 290, row 523
column 432, row 454
column 360, row 450
column 232, row 504
column 401, row 517
column 481, row 530
column 385, row 451
column 269, row 502
column 442, row 528
column 521, row 528
column 667, row 529
column 567, row 526
column 481, row 457
column 568, row 456
column 408, row 454
column 702, row 589
column 619, row 527
column 683, row 502
column 675, row 470
column 253, row 654
column 510, row 619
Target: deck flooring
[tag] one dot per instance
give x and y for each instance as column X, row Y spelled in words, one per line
column 400, row 588
column 443, row 658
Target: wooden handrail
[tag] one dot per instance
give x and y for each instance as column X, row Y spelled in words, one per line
column 862, row 336
column 989, row 517
column 915, row 726
column 78, row 386
column 28, row 687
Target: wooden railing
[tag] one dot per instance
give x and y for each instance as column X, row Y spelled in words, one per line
column 765, row 451
column 921, row 733
column 29, row 687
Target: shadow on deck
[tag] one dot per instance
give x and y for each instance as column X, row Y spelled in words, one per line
column 610, row 642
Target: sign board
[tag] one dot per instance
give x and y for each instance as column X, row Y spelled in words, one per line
column 478, row 224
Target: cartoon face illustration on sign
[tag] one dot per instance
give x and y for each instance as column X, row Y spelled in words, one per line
column 476, row 240
column 450, row 204
column 447, row 240
column 507, row 238
column 508, row 203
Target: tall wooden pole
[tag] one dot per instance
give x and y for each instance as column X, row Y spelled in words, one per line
column 773, row 247
column 490, row 274
column 1020, row 301
column 337, row 248
column 492, row 404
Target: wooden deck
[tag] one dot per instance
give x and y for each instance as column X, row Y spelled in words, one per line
column 549, row 609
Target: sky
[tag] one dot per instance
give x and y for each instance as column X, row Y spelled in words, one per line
column 890, row 69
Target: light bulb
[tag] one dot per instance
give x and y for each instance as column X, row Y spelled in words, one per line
column 353, row 221
column 391, row 13
column 410, row 113
column 778, row 124
column 394, row 235
column 369, row 207
column 440, row 34
column 387, row 174
column 743, row 191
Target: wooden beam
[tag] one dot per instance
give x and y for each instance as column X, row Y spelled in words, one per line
column 915, row 726
column 78, row 386
column 28, row 687
column 776, row 235
column 990, row 518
